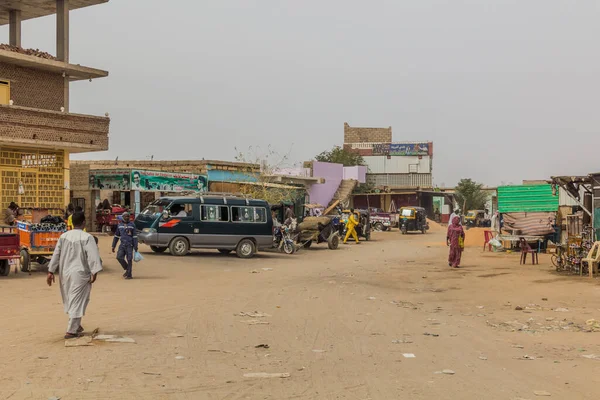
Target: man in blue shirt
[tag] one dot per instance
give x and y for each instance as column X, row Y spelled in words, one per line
column 127, row 233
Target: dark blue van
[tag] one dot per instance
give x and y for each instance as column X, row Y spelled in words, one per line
column 206, row 222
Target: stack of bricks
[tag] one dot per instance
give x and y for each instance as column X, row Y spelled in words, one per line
column 55, row 128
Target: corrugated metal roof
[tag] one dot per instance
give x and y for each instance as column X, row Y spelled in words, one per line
column 526, row 198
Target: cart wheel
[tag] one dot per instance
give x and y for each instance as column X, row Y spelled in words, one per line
column 25, row 261
column 333, row 242
column 4, row 268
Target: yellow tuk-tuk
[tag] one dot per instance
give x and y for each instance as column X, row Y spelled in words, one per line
column 413, row 219
column 475, row 218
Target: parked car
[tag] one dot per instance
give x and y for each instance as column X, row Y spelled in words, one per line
column 382, row 221
column 228, row 224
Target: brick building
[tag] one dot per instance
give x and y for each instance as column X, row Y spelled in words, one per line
column 37, row 131
column 392, row 165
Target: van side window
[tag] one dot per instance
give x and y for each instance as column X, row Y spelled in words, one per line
column 181, row 210
column 248, row 214
column 214, row 213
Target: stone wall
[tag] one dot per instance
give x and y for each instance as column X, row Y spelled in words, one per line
column 33, row 88
column 38, row 127
column 367, row 135
column 80, row 189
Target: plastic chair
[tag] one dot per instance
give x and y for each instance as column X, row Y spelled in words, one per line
column 489, row 235
column 526, row 249
column 593, row 259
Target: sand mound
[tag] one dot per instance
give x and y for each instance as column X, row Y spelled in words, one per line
column 474, row 237
column 435, row 227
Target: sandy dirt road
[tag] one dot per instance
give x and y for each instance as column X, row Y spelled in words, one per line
column 338, row 322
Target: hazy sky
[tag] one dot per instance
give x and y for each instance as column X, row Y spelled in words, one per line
column 507, row 89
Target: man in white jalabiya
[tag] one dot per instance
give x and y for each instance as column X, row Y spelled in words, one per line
column 77, row 262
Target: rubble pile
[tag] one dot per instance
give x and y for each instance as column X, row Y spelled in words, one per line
column 28, row 52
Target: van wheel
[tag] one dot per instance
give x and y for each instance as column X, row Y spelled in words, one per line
column 25, row 260
column 179, row 247
column 4, row 268
column 158, row 249
column 246, row 249
column 225, row 251
column 379, row 227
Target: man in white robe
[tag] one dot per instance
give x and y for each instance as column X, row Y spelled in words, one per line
column 77, row 261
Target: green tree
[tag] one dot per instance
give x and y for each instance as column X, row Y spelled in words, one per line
column 340, row 155
column 470, row 195
column 262, row 167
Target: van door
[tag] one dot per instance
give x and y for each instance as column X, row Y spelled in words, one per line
column 215, row 227
column 179, row 223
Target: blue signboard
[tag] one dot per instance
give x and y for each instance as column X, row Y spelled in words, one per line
column 409, row 149
column 401, row 149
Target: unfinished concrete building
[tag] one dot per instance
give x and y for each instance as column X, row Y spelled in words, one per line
column 37, row 131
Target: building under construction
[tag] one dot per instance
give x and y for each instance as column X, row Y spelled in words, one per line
column 37, row 130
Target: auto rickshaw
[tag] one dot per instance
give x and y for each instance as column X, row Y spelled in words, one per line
column 363, row 229
column 475, row 218
column 413, row 219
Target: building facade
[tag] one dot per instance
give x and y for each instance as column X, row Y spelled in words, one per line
column 392, row 166
column 37, row 131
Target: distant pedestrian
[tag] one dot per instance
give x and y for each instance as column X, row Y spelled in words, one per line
column 11, row 214
column 127, row 233
column 455, row 239
column 495, row 224
column 77, row 262
column 351, row 227
column 455, row 213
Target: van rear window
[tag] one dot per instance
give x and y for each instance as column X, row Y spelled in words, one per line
column 249, row 214
column 215, row 213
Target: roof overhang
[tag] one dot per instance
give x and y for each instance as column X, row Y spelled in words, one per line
column 296, row 180
column 74, row 72
column 39, row 8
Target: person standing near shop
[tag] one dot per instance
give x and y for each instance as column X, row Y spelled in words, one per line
column 11, row 214
column 495, row 224
column 127, row 234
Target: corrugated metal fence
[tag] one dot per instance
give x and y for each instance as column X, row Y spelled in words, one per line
column 400, row 180
column 526, row 198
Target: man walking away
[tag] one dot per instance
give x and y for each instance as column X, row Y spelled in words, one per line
column 77, row 262
column 350, row 227
column 70, row 226
column 127, row 233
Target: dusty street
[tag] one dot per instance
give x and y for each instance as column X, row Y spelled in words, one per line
column 339, row 322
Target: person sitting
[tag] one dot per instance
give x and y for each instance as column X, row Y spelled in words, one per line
column 179, row 212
